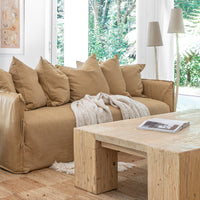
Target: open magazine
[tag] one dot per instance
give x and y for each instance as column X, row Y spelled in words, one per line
column 164, row 125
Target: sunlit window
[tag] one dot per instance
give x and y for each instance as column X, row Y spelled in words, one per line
column 190, row 43
column 111, row 29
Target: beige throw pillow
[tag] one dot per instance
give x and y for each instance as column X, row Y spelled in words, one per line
column 132, row 77
column 54, row 83
column 6, row 82
column 26, row 83
column 114, row 77
column 79, row 64
column 88, row 79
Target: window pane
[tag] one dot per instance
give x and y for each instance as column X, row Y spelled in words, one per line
column 111, row 30
column 60, row 32
column 112, row 25
column 190, row 43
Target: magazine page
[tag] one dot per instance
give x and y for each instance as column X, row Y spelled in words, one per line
column 164, row 125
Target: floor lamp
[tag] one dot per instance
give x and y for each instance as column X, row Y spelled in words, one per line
column 176, row 26
column 154, row 39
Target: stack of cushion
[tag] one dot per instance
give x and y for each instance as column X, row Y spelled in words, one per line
column 122, row 80
column 88, row 79
column 48, row 85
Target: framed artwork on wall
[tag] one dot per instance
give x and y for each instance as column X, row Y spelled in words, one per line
column 11, row 27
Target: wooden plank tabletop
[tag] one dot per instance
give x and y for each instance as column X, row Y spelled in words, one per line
column 124, row 133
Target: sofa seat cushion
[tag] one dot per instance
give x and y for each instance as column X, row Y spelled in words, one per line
column 49, row 135
column 48, row 132
column 155, row 107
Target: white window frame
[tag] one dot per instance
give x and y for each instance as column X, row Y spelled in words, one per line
column 53, row 32
column 76, row 44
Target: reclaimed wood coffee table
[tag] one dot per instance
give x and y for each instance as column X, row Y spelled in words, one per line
column 173, row 159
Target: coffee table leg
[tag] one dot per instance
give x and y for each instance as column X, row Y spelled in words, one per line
column 173, row 176
column 95, row 167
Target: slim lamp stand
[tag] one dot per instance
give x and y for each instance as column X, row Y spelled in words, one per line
column 176, row 26
column 156, row 60
column 177, row 72
column 154, row 39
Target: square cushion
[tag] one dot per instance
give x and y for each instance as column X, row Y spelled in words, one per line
column 54, row 83
column 88, row 79
column 6, row 82
column 42, row 124
column 26, row 83
column 79, row 64
column 132, row 77
column 114, row 77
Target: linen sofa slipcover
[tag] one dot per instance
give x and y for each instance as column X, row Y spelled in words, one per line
column 34, row 139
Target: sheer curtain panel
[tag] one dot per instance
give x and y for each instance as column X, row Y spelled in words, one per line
column 155, row 10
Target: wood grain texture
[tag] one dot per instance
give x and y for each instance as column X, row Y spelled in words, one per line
column 95, row 167
column 173, row 159
column 155, row 174
column 47, row 184
column 189, row 163
column 173, row 175
column 123, row 149
column 124, row 133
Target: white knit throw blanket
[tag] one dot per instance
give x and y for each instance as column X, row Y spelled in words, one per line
column 94, row 110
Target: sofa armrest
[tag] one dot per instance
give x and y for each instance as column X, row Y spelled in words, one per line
column 11, row 130
column 159, row 90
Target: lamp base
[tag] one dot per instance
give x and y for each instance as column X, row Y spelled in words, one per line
column 156, row 61
column 177, row 73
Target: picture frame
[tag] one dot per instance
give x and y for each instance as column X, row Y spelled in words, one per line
column 12, row 14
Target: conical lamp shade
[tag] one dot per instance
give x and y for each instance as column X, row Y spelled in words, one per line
column 154, row 36
column 176, row 21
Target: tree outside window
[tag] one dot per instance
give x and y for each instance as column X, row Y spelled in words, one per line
column 112, row 30
column 190, row 43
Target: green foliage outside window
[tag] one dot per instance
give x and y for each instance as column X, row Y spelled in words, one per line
column 112, row 26
column 190, row 58
column 111, row 23
column 190, row 69
column 60, row 32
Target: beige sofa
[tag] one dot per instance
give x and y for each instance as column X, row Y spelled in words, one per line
column 34, row 139
column 36, row 120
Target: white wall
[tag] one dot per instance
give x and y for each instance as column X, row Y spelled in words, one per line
column 36, row 13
